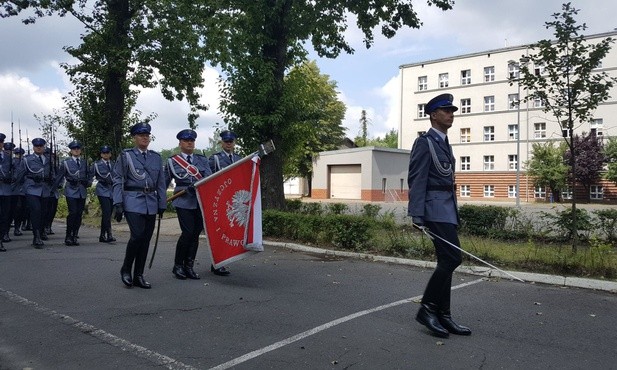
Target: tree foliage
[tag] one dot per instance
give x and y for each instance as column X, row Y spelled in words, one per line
column 610, row 154
column 548, row 168
column 317, row 125
column 589, row 157
column 265, row 38
column 570, row 86
column 390, row 140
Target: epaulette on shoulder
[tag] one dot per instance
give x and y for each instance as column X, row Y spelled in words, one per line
column 127, row 150
column 199, row 155
column 153, row 152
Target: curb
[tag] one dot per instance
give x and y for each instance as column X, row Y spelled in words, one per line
column 529, row 277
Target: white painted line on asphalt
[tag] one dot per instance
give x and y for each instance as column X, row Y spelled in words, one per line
column 328, row 325
column 142, row 352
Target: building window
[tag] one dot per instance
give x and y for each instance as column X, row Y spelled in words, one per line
column 466, row 77
column 566, row 193
column 513, row 101
column 511, row 191
column 489, row 191
column 489, row 103
column 466, row 135
column 465, row 191
column 539, row 130
column 512, row 132
column 422, row 83
column 489, row 133
column 489, row 74
column 489, row 162
column 596, row 192
column 539, row 69
column 539, row 192
column 443, row 80
column 465, row 106
column 513, row 70
column 421, row 113
column 596, row 126
column 465, row 164
column 537, row 103
column 512, row 161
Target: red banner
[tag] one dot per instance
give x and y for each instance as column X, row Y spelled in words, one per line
column 230, row 202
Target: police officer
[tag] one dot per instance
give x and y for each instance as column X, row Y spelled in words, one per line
column 226, row 156
column 185, row 169
column 102, row 172
column 7, row 184
column 6, row 180
column 78, row 178
column 35, row 175
column 432, row 204
column 52, row 199
column 218, row 161
column 18, row 199
column 139, row 193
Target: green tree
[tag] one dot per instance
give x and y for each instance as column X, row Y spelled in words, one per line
column 610, row 153
column 548, row 168
column 571, row 86
column 590, row 159
column 127, row 44
column 362, row 139
column 390, row 140
column 265, row 38
column 318, row 118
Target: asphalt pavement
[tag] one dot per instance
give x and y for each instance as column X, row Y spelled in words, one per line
column 287, row 307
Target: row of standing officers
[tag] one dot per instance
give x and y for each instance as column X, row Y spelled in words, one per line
column 133, row 187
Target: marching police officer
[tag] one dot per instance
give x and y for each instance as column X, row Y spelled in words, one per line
column 102, row 172
column 35, row 174
column 6, row 181
column 185, row 169
column 78, row 178
column 218, row 161
column 18, row 199
column 54, row 196
column 432, row 204
column 139, row 193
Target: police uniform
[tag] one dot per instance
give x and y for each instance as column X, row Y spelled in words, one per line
column 6, row 184
column 186, row 169
column 78, row 179
column 35, row 175
column 432, row 204
column 52, row 199
column 18, row 199
column 223, row 159
column 139, row 192
column 102, row 170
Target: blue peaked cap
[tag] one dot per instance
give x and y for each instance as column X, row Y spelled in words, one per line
column 440, row 101
column 141, row 128
column 187, row 134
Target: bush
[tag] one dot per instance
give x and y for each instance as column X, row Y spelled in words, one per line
column 337, row 208
column 293, row 205
column 483, row 220
column 562, row 222
column 608, row 223
column 312, row 208
column 371, row 210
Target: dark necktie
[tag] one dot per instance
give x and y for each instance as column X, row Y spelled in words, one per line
column 108, row 166
column 188, row 159
column 78, row 164
column 231, row 158
column 41, row 159
column 144, row 154
column 448, row 146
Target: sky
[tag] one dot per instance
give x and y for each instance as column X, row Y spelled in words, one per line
column 32, row 82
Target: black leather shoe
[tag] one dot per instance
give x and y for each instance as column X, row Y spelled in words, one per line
column 188, row 269
column 445, row 319
column 44, row 235
column 36, row 241
column 126, row 278
column 6, row 238
column 139, row 281
column 2, row 249
column 427, row 316
column 221, row 271
column 17, row 232
column 68, row 241
column 178, row 272
column 75, row 242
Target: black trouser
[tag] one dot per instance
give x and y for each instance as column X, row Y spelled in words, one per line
column 37, row 204
column 18, row 210
column 76, row 210
column 141, row 227
column 52, row 208
column 106, row 208
column 448, row 259
column 191, row 224
column 5, row 214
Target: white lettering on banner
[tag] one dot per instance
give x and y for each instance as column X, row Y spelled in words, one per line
column 224, row 185
column 232, row 242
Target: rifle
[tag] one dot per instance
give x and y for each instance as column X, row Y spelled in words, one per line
column 264, row 149
column 28, row 141
column 12, row 149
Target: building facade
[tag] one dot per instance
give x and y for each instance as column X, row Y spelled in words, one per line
column 492, row 135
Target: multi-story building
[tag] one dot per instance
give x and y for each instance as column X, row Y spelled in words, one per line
column 492, row 135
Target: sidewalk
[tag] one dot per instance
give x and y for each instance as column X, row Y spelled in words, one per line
column 170, row 227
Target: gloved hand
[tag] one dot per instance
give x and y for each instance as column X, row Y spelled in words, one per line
column 161, row 211
column 118, row 212
column 190, row 190
column 418, row 221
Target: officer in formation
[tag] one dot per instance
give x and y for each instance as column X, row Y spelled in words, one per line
column 102, row 170
column 218, row 161
column 6, row 182
column 185, row 169
column 18, row 199
column 432, row 205
column 139, row 193
column 35, row 174
column 54, row 196
column 74, row 170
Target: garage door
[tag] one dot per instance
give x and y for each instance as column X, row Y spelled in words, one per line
column 345, row 182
